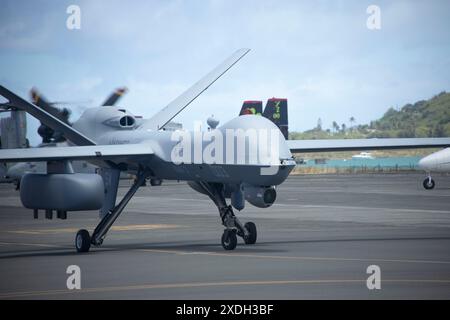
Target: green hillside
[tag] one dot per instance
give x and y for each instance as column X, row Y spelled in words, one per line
column 426, row 118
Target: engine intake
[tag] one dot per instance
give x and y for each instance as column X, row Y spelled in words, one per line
column 261, row 197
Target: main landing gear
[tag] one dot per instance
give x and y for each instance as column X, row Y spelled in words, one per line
column 233, row 227
column 83, row 240
column 428, row 183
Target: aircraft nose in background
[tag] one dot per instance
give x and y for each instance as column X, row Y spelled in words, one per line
column 427, row 163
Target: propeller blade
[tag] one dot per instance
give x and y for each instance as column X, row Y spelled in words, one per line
column 41, row 102
column 48, row 134
column 115, row 96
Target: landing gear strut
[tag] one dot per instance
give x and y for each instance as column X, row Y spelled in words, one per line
column 428, row 183
column 83, row 241
column 233, row 227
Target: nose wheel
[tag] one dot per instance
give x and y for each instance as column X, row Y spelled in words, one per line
column 428, row 183
column 229, row 239
column 252, row 233
column 233, row 227
column 229, row 236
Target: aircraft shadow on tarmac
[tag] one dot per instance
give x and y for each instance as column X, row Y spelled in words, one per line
column 183, row 248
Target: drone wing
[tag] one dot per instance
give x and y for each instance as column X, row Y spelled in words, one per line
column 159, row 120
column 115, row 153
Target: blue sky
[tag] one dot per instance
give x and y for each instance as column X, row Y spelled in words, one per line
column 318, row 54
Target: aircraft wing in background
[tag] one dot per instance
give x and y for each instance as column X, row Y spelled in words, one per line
column 298, row 146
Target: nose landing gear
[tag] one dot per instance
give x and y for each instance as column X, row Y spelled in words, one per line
column 252, row 233
column 233, row 227
column 428, row 183
column 229, row 239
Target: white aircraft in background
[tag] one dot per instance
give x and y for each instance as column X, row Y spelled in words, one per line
column 435, row 162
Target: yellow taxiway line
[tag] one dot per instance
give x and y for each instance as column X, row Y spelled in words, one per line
column 132, row 227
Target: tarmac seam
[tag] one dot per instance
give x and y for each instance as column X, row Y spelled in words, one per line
column 210, row 284
column 240, row 255
column 362, row 208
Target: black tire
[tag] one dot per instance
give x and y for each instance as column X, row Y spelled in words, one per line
column 428, row 184
column 82, row 241
column 251, row 228
column 155, row 182
column 229, row 240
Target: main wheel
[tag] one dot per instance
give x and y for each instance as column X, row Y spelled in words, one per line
column 251, row 228
column 229, row 240
column 428, row 183
column 83, row 241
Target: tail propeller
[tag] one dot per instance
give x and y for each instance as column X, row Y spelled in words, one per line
column 49, row 135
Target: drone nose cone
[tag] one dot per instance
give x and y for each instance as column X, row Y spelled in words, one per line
column 284, row 150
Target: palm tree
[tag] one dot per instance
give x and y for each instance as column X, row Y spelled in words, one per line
column 352, row 120
column 335, row 126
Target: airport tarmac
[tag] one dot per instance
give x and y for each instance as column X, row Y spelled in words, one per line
column 316, row 242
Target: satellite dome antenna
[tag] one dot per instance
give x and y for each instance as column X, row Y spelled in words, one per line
column 212, row 123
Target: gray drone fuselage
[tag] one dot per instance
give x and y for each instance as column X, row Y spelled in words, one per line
column 115, row 126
